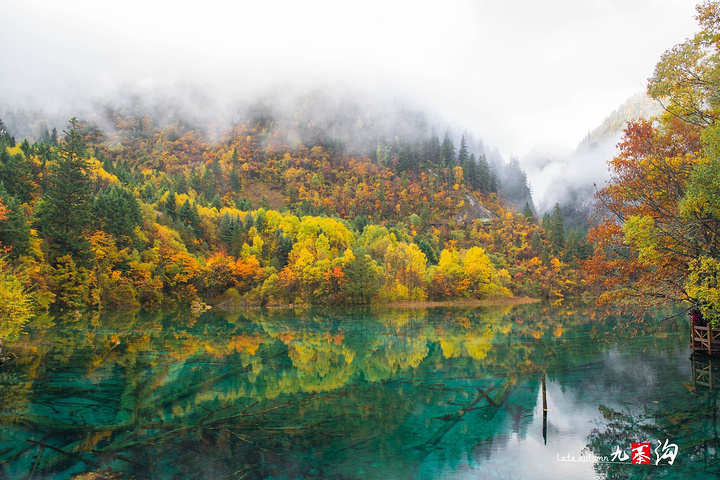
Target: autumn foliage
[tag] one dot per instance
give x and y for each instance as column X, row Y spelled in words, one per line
column 656, row 240
column 151, row 214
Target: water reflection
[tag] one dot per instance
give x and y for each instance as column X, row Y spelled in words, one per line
column 365, row 393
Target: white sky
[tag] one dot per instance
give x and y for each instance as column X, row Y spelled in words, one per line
column 517, row 73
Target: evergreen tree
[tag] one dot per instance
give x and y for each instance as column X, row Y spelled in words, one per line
column 228, row 226
column 405, row 159
column 557, row 229
column 249, row 221
column 447, row 152
column 528, row 213
column 107, row 164
column 16, row 174
column 463, row 156
column 433, row 150
column 208, row 183
column 261, row 220
column 484, row 176
column 420, row 152
column 188, row 215
column 428, row 250
column 546, row 223
column 243, row 204
column 216, row 183
column 215, row 168
column 117, row 210
column 64, row 211
column 472, row 171
column 536, row 243
column 235, row 182
column 14, row 230
column 196, row 182
column 25, row 148
column 148, row 193
column 514, row 185
column 585, row 249
column 282, row 250
column 181, row 183
column 171, row 205
column 216, row 202
column 236, row 242
column 572, row 248
column 5, row 137
column 44, row 136
column 124, row 172
column 362, row 282
column 494, row 182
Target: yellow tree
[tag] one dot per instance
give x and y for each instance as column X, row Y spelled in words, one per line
column 404, row 272
column 15, row 301
column 483, row 279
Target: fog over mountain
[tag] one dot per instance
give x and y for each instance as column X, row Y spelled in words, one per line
column 571, row 180
column 518, row 74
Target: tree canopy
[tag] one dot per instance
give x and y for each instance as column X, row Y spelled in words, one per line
column 657, row 236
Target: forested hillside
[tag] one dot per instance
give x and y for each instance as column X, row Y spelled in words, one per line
column 611, row 129
column 657, row 239
column 142, row 212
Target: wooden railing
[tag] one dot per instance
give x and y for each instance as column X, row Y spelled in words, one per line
column 702, row 371
column 706, row 339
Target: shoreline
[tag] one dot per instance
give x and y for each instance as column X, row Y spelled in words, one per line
column 495, row 302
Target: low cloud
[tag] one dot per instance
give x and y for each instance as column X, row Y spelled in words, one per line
column 515, row 73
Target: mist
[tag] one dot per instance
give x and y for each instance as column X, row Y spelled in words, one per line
column 570, row 178
column 518, row 74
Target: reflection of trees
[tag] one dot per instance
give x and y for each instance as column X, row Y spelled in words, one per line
column 688, row 417
column 693, row 427
column 313, row 394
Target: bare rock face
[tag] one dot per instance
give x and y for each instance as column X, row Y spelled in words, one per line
column 474, row 211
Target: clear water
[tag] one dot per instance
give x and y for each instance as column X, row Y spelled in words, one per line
column 449, row 393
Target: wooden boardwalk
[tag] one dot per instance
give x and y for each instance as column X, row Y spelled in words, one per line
column 706, row 340
column 704, row 373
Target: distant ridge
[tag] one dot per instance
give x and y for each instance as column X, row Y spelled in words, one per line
column 586, row 167
column 635, row 107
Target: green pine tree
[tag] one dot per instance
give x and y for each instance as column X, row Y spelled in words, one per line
column 557, row 230
column 14, row 230
column 447, row 150
column 528, row 213
column 216, row 202
column 117, row 210
column 64, row 212
column 463, row 155
column 484, row 175
column 171, row 205
column 536, row 243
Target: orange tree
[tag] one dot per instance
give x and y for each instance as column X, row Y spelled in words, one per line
column 658, row 234
column 642, row 247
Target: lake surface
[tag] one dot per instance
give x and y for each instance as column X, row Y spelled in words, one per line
column 447, row 393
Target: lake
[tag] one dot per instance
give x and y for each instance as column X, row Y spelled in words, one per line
column 373, row 393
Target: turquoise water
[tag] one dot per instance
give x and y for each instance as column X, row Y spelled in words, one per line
column 448, row 393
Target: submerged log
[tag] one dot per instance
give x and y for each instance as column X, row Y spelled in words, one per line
column 126, row 407
column 73, row 455
column 167, row 400
column 453, row 418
